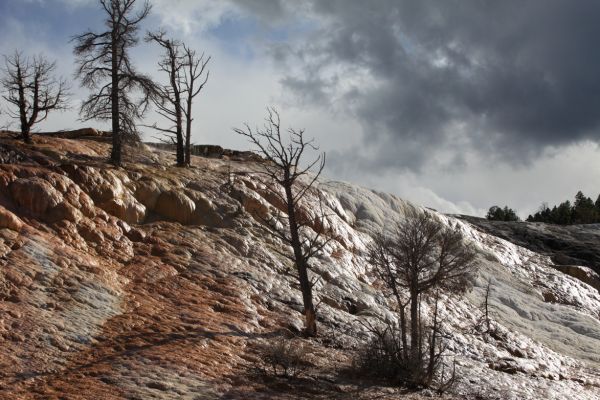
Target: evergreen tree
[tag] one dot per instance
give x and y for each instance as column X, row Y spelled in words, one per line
column 510, row 214
column 584, row 210
column 496, row 213
column 564, row 214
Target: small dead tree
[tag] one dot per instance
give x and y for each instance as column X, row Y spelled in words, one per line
column 105, row 67
column 485, row 325
column 284, row 173
column 185, row 71
column 416, row 257
column 486, row 307
column 32, row 90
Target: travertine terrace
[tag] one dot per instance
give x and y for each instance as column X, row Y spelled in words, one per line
column 157, row 282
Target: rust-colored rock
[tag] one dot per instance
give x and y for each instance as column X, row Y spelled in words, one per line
column 78, row 133
column 35, row 196
column 126, row 208
column 9, row 220
column 147, row 193
column 584, row 274
column 176, row 206
column 252, row 202
column 52, row 199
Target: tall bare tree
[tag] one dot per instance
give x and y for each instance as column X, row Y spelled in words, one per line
column 194, row 83
column 168, row 103
column 32, row 90
column 104, row 66
column 418, row 256
column 284, row 171
column 184, row 69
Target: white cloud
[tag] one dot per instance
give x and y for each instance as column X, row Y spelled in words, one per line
column 190, row 16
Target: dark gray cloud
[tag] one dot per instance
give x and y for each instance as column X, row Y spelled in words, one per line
column 505, row 78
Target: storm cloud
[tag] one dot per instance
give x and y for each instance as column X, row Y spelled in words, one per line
column 445, row 79
column 453, row 104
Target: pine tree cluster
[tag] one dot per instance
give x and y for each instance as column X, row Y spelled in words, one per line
column 582, row 211
column 496, row 213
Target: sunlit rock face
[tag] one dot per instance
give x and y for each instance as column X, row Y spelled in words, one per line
column 153, row 281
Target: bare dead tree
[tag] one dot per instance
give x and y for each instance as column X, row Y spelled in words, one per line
column 105, row 67
column 168, row 103
column 184, row 68
column 194, row 83
column 419, row 255
column 485, row 325
column 284, row 170
column 486, row 307
column 32, row 90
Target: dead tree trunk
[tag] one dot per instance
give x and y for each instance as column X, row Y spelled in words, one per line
column 105, row 67
column 115, row 154
column 196, row 67
column 301, row 264
column 175, row 100
column 168, row 103
column 283, row 171
column 415, row 336
column 433, row 356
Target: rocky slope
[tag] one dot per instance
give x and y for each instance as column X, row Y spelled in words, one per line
column 573, row 249
column 151, row 281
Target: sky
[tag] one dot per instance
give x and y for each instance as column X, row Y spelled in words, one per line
column 457, row 105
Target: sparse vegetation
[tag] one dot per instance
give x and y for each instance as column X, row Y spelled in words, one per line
column 381, row 358
column 283, row 357
column 485, row 324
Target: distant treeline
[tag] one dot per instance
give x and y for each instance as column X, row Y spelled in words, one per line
column 582, row 211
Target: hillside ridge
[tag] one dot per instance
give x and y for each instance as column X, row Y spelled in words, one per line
column 152, row 281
